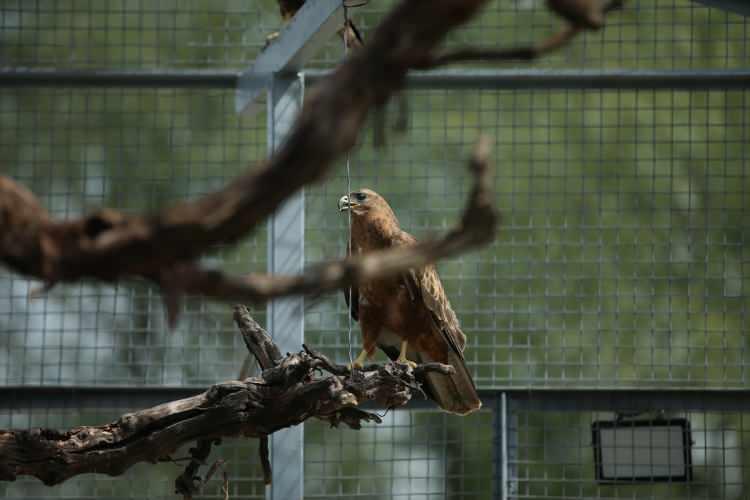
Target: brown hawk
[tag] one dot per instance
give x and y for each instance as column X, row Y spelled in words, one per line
column 409, row 316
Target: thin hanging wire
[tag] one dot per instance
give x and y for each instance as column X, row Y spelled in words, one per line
column 348, row 191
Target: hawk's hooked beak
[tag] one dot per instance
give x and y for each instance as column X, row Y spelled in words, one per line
column 346, row 204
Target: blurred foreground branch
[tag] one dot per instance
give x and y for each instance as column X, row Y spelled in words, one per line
column 285, row 394
column 163, row 248
column 580, row 14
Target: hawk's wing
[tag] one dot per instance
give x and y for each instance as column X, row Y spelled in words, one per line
column 434, row 298
column 456, row 392
column 427, row 286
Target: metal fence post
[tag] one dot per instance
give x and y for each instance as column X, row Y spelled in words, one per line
column 498, row 447
column 286, row 252
column 511, row 445
column 505, row 446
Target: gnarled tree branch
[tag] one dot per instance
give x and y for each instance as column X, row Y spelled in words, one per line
column 163, row 248
column 285, row 394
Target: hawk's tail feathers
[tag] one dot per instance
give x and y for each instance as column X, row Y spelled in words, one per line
column 454, row 393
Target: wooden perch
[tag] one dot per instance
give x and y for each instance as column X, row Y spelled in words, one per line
column 163, row 248
column 285, row 394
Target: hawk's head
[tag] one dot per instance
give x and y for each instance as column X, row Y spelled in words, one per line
column 365, row 203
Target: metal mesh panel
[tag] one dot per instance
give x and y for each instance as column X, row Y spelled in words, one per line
column 554, row 458
column 115, row 33
column 622, row 255
column 142, row 480
column 230, row 33
column 622, row 260
column 417, row 454
column 134, row 150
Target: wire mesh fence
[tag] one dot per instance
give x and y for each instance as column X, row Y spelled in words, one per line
column 621, row 262
column 136, row 150
column 621, row 258
column 415, row 454
column 664, row 34
column 556, row 458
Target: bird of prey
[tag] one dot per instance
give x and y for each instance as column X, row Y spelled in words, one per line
column 409, row 316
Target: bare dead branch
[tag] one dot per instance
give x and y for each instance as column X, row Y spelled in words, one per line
column 286, row 394
column 477, row 54
column 581, row 14
column 110, row 246
column 587, row 14
column 265, row 461
column 189, row 482
column 256, row 339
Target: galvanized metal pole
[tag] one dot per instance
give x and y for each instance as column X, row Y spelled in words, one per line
column 498, row 447
column 312, row 26
column 286, row 252
column 505, row 447
column 510, row 445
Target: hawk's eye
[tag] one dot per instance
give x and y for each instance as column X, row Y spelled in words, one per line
column 360, row 196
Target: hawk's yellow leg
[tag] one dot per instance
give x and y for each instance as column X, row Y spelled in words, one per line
column 360, row 361
column 402, row 355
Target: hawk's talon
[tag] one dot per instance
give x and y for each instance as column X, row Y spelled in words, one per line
column 402, row 355
column 407, row 362
column 358, row 363
column 354, row 366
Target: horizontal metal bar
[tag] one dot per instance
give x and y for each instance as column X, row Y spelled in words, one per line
column 613, row 399
column 564, row 79
column 631, row 399
column 736, row 6
column 189, row 78
column 129, row 398
column 469, row 78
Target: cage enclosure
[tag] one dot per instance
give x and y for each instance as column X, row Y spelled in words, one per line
column 615, row 297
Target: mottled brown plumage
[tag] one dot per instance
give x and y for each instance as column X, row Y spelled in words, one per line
column 412, row 307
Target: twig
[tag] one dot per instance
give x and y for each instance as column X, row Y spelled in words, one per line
column 189, row 482
column 265, row 462
column 256, row 339
column 476, row 54
column 219, row 463
column 587, row 14
column 581, row 14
